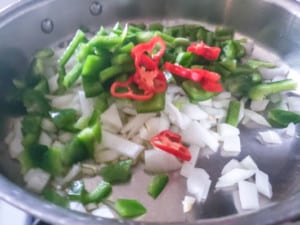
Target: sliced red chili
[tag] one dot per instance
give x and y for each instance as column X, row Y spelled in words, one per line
column 171, row 142
column 206, row 51
column 129, row 93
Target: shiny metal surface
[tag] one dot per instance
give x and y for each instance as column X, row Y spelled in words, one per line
column 274, row 25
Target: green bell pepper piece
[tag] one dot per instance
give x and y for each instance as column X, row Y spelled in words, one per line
column 155, row 104
column 157, row 185
column 35, row 102
column 64, row 119
column 91, row 86
column 118, row 172
column 128, row 208
column 281, row 118
column 102, row 191
column 93, row 65
column 195, row 92
column 233, row 113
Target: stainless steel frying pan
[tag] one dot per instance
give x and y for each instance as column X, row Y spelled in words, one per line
column 29, row 25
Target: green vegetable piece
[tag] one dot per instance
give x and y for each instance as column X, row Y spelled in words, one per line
column 144, row 36
column 260, row 91
column 253, row 63
column 102, row 191
column 224, row 33
column 127, row 48
column 91, row 86
column 89, row 135
column 195, row 92
column 128, row 208
column 233, row 113
column 118, row 172
column 64, row 118
column 157, row 185
column 84, row 50
column 35, row 102
column 167, row 38
column 201, row 34
column 185, row 59
column 210, row 38
column 121, row 59
column 71, row 77
column 93, row 65
column 52, row 161
column 230, row 51
column 155, row 104
column 229, row 64
column 180, row 41
column 68, row 53
column 101, row 102
column 156, row 27
column 114, row 71
column 45, row 53
column 76, row 191
column 281, row 118
column 74, row 152
column 56, row 198
column 42, row 87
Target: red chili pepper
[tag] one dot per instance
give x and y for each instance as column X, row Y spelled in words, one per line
column 171, row 142
column 206, row 51
column 130, row 93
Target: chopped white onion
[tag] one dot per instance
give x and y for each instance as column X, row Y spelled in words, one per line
column 15, row 141
column 221, row 103
column 188, row 203
column 294, row 104
column 232, row 164
column 36, row 179
column 121, row 145
column 52, row 83
column 77, row 206
column 106, row 156
column 48, row 126
column 135, row 124
column 91, row 206
column 72, row 173
column 103, row 211
column 65, row 137
column 248, row 163
column 249, row 46
column 197, row 135
column 223, row 95
column 45, row 139
column 270, row 73
column 186, row 169
column 291, row 130
column 257, row 118
column 226, row 130
column 194, row 112
column 259, row 105
column 159, row 161
column 248, row 195
column 198, row 184
column 232, row 145
column 263, row 184
column 232, row 177
column 112, row 118
column 153, row 126
column 269, row 137
column 90, row 183
column 86, row 104
column 61, row 101
column 176, row 117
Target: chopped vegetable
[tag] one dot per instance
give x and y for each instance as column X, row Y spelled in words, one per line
column 248, row 195
column 119, row 172
column 233, row 113
column 129, row 208
column 282, row 118
column 207, row 52
column 157, row 185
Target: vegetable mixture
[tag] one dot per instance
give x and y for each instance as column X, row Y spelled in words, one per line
column 145, row 95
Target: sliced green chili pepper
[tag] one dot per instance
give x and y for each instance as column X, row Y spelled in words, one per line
column 84, row 50
column 128, row 208
column 118, row 172
column 78, row 38
column 121, row 59
column 114, row 71
column 157, row 185
column 233, row 113
column 281, row 118
column 71, row 77
column 195, row 92
column 260, row 91
column 64, row 119
column 155, row 104
column 102, row 191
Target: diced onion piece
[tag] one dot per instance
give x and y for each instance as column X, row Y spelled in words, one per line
column 86, row 104
column 176, row 117
column 15, row 145
column 232, row 164
column 91, row 206
column 223, row 95
column 232, row 145
column 226, row 130
column 121, row 145
column 194, row 112
column 103, row 211
column 257, row 118
column 291, row 130
column 72, row 173
column 158, row 161
column 112, row 117
column 259, row 105
column 221, row 103
column 294, row 104
column 269, row 137
column 249, row 47
column 45, row 139
column 90, row 183
column 248, row 195
column 52, row 83
column 57, row 144
column 248, row 163
column 186, row 169
column 234, row 176
column 36, row 179
column 198, row 184
column 135, row 124
column 196, row 134
column 65, row 137
column 77, row 206
column 61, row 101
column 106, row 156
column 270, row 73
column 48, row 126
column 153, row 126
column 188, row 203
column 263, row 184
